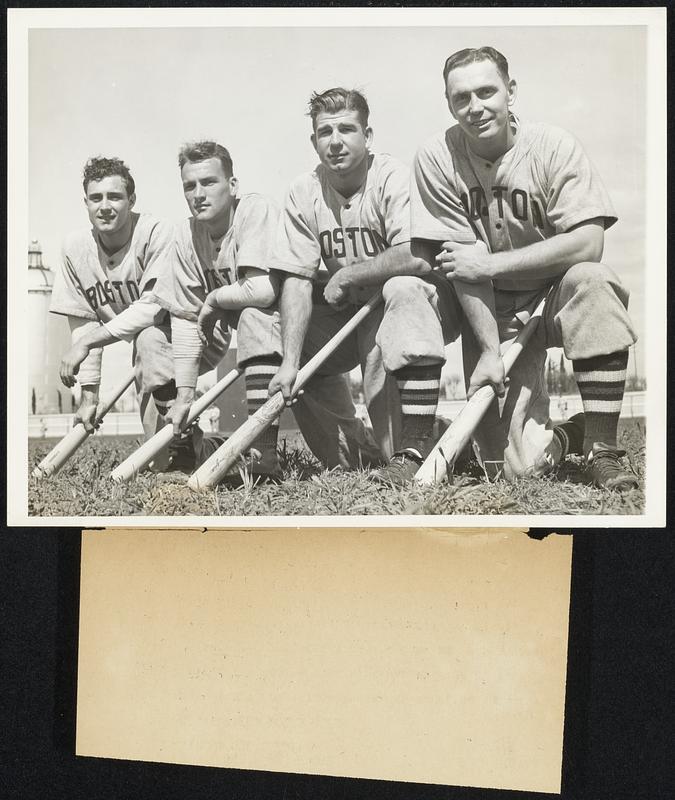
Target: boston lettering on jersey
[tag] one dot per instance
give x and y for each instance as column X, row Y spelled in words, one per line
column 523, row 206
column 358, row 243
column 215, row 278
column 108, row 292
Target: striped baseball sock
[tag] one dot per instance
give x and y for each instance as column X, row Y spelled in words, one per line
column 419, row 388
column 164, row 397
column 258, row 373
column 601, row 382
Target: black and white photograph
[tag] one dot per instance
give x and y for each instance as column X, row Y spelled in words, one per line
column 400, row 267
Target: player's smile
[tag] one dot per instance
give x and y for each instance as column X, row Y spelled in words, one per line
column 108, row 205
column 479, row 100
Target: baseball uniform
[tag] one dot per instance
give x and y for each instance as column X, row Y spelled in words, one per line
column 91, row 284
column 199, row 264
column 320, row 226
column 544, row 185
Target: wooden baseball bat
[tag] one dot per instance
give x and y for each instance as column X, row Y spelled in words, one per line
column 458, row 434
column 215, row 467
column 57, row 457
column 141, row 457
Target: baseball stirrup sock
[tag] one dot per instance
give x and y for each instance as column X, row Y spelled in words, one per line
column 570, row 434
column 601, row 382
column 257, row 375
column 164, row 397
column 419, row 388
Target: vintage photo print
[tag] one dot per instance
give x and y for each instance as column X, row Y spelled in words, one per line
column 423, row 283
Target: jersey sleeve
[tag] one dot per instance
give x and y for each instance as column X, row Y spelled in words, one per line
column 157, row 254
column 396, row 203
column 256, row 234
column 179, row 288
column 574, row 187
column 436, row 211
column 296, row 249
column 67, row 295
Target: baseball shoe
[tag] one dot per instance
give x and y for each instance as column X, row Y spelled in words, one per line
column 182, row 453
column 400, row 470
column 567, row 439
column 255, row 467
column 606, row 471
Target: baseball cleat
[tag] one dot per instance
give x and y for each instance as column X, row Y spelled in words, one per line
column 401, row 469
column 255, row 467
column 606, row 470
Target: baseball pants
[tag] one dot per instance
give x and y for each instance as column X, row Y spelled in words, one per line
column 325, row 413
column 585, row 314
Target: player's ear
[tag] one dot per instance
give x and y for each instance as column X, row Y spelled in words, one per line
column 234, row 184
column 513, row 91
column 312, row 139
column 369, row 136
column 132, row 200
column 450, row 105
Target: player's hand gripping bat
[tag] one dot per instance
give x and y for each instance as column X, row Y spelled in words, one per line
column 456, row 437
column 141, row 457
column 215, row 468
column 57, row 457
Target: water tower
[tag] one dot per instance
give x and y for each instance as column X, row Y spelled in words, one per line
column 48, row 339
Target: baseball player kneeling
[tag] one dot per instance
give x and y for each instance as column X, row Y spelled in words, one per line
column 351, row 214
column 505, row 212
column 104, row 281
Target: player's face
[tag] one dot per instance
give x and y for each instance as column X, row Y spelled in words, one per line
column 341, row 142
column 479, row 99
column 108, row 204
column 210, row 194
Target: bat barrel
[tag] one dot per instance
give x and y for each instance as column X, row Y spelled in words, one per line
column 141, row 457
column 58, row 456
column 216, row 467
column 457, row 436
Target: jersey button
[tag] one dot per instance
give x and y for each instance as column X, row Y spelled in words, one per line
column 498, row 225
column 348, row 205
column 489, row 166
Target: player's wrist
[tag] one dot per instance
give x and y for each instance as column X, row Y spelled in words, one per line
column 490, row 266
column 185, row 394
column 90, row 393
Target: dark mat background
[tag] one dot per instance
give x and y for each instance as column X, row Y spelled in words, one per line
column 618, row 736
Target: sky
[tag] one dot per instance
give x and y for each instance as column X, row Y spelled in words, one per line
column 139, row 93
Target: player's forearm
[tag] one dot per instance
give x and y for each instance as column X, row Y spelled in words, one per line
column 478, row 303
column 144, row 313
column 187, row 353
column 551, row 257
column 296, row 310
column 477, row 299
column 396, row 260
column 90, row 368
column 255, row 289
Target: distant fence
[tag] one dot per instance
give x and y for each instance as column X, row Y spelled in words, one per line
column 50, row 426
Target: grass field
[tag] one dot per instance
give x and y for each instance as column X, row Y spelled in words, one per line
column 83, row 488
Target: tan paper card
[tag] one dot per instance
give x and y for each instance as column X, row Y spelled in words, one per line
column 425, row 655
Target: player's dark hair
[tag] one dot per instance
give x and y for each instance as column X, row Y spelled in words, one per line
column 470, row 55
column 98, row 168
column 194, row 152
column 338, row 99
